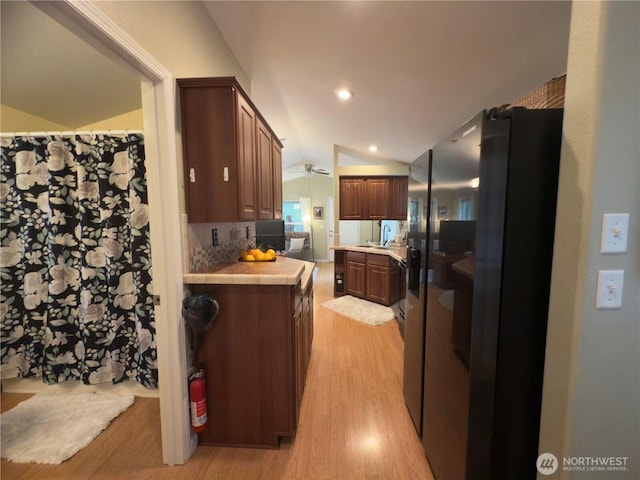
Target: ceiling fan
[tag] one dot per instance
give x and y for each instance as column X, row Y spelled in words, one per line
column 310, row 170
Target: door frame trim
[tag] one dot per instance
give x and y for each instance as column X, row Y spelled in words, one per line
column 163, row 168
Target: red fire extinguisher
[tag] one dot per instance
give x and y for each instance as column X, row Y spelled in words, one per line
column 198, row 401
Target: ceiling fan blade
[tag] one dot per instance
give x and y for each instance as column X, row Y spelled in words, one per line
column 321, row 172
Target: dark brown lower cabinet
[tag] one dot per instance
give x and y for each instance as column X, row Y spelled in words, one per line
column 378, row 283
column 255, row 357
column 356, row 274
column 373, row 277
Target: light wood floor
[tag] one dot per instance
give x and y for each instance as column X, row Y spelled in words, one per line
column 353, row 423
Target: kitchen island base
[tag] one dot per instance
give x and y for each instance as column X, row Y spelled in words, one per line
column 255, row 357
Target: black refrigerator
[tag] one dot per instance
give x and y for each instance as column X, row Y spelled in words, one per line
column 485, row 268
column 418, row 214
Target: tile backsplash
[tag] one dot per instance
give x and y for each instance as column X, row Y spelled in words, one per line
column 232, row 237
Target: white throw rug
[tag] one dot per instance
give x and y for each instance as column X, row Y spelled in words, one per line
column 51, row 427
column 362, row 310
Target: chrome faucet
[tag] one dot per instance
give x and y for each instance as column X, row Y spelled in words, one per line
column 386, row 229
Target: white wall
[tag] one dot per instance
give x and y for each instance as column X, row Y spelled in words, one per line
column 318, row 188
column 591, row 392
column 14, row 120
column 183, row 37
column 180, row 35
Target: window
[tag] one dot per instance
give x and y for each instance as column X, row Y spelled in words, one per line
column 464, row 209
column 292, row 214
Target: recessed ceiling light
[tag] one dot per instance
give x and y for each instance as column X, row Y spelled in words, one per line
column 373, row 148
column 344, row 93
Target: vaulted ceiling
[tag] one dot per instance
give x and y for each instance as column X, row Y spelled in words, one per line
column 418, row 69
column 47, row 71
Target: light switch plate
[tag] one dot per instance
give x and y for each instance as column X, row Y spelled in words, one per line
column 609, row 289
column 615, row 229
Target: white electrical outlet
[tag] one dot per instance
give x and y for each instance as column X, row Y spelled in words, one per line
column 615, row 228
column 609, row 290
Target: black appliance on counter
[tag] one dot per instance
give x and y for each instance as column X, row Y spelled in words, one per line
column 476, row 331
column 270, row 234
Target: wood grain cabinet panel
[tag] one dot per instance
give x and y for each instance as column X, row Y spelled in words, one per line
column 352, row 199
column 373, row 198
column 205, row 136
column 378, row 198
column 255, row 357
column 356, row 278
column 264, row 172
column 374, row 277
column 378, row 284
column 232, row 159
column 247, row 162
column 298, row 347
column 276, row 166
column 399, row 198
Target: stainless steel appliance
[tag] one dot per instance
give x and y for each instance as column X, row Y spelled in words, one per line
column 418, row 199
column 483, row 248
column 402, row 264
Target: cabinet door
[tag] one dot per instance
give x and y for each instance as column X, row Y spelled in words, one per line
column 299, row 375
column 265, row 172
column 250, row 351
column 400, row 193
column 378, row 284
column 247, row 171
column 307, row 330
column 378, row 198
column 276, row 162
column 352, row 195
column 356, row 279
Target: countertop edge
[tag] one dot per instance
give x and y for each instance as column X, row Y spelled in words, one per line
column 397, row 253
column 268, row 278
column 307, row 275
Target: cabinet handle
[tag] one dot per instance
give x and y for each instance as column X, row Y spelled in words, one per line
column 192, row 175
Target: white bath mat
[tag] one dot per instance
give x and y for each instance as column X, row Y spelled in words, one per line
column 51, row 427
column 361, row 310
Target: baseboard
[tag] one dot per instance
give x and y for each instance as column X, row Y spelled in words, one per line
column 35, row 385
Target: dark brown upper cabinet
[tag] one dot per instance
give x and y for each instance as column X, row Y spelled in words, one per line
column 352, row 198
column 276, row 162
column 232, row 158
column 373, row 198
column 378, row 198
column 399, row 198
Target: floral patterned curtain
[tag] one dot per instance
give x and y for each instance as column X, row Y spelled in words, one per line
column 75, row 261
